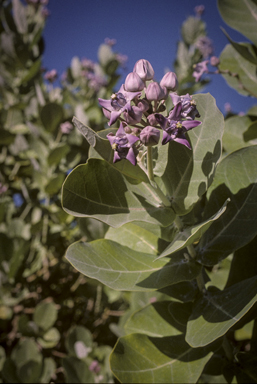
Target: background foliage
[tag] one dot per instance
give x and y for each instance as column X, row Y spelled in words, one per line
column 60, row 325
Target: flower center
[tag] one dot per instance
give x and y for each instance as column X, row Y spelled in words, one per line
column 179, row 125
column 118, row 101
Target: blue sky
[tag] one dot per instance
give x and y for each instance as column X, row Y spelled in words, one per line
column 144, row 29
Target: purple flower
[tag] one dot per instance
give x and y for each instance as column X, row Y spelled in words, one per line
column 120, row 102
column 51, row 76
column 199, row 10
column 123, row 145
column 200, row 69
column 174, row 128
column 133, row 116
column 188, row 106
column 205, row 46
column 95, row 366
column 66, row 127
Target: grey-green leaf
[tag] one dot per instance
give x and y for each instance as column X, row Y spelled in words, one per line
column 236, row 179
column 139, row 358
column 122, row 268
column 191, row 234
column 216, row 312
column 240, row 15
column 189, row 173
column 98, row 190
column 102, row 146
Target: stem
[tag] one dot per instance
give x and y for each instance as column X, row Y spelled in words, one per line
column 150, row 163
column 154, row 185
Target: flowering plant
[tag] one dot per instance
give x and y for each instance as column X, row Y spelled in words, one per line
column 177, row 209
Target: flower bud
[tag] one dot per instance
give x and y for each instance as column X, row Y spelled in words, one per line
column 134, row 83
column 143, row 105
column 169, row 81
column 214, row 61
column 144, row 69
column 152, row 120
column 155, row 92
column 150, row 136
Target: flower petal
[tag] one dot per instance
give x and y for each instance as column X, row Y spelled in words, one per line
column 189, row 124
column 131, row 156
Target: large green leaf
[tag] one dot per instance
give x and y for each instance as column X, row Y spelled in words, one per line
column 122, row 268
column 102, row 147
column 231, row 60
column 217, row 311
column 245, row 50
column 137, row 237
column 189, row 173
column 97, row 190
column 191, row 234
column 139, row 358
column 235, row 179
column 158, row 319
column 240, row 15
column 238, row 132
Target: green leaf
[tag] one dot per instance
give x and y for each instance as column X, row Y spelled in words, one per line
column 19, row 16
column 158, row 319
column 235, row 178
column 50, row 339
column 250, row 135
column 77, row 371
column 139, row 358
column 28, row 361
column 217, row 311
column 52, row 115
column 243, row 258
column 102, row 146
column 231, row 60
column 136, row 237
column 45, row 315
column 240, row 15
column 238, row 132
column 97, row 190
column 246, row 51
column 78, row 334
column 189, row 173
column 32, row 71
column 55, row 184
column 191, row 235
column 191, row 29
column 58, row 153
column 122, row 268
column 48, row 370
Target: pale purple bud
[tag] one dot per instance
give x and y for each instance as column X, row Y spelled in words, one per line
column 155, row 92
column 144, row 69
column 214, row 61
column 152, row 120
column 150, row 136
column 134, row 83
column 143, row 105
column 169, row 81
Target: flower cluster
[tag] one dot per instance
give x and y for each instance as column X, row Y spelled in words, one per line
column 139, row 106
